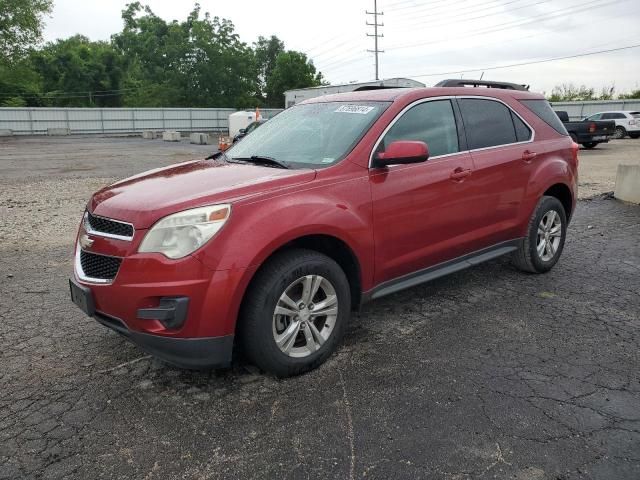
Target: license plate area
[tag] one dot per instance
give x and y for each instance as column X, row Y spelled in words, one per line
column 600, row 137
column 82, row 297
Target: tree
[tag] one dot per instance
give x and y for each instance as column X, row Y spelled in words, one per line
column 568, row 92
column 20, row 26
column 631, row 95
column 292, row 70
column 199, row 62
column 81, row 73
column 266, row 52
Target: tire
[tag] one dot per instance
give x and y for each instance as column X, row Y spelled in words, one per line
column 527, row 257
column 634, row 135
column 574, row 137
column 303, row 348
column 589, row 145
column 620, row 133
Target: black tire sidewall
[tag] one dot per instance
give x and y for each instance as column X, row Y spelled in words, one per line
column 267, row 354
column 545, row 205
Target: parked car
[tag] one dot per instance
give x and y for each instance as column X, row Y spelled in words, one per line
column 627, row 122
column 337, row 201
column 245, row 131
column 588, row 133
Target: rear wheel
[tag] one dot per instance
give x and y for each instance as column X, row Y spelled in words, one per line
column 620, row 133
column 540, row 250
column 295, row 312
column 589, row 145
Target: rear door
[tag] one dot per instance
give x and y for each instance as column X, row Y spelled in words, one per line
column 421, row 211
column 504, row 157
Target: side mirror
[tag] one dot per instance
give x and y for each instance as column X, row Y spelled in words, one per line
column 401, row 152
column 242, row 130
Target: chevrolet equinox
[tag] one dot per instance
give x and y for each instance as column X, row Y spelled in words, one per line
column 337, row 201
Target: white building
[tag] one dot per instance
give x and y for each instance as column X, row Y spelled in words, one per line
column 292, row 97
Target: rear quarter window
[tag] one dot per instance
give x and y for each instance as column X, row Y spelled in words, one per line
column 543, row 111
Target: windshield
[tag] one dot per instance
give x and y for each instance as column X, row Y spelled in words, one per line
column 310, row 135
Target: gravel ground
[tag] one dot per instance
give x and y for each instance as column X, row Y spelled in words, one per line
column 488, row 373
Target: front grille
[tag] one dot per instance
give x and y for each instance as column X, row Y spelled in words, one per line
column 111, row 227
column 99, row 266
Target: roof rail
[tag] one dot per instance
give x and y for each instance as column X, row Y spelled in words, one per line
column 375, row 87
column 481, row 83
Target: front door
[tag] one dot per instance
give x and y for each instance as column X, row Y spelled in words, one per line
column 421, row 211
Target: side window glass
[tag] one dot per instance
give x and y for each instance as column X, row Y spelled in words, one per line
column 606, row 116
column 488, row 123
column 431, row 122
column 523, row 133
column 594, row 117
column 619, row 115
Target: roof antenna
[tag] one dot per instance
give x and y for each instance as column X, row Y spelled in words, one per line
column 482, row 75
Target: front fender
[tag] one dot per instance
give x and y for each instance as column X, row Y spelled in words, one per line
column 258, row 228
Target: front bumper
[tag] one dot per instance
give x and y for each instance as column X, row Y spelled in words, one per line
column 191, row 353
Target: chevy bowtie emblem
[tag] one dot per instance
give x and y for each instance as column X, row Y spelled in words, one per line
column 85, row 241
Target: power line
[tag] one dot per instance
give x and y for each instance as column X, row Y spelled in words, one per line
column 522, row 64
column 508, row 25
column 375, row 34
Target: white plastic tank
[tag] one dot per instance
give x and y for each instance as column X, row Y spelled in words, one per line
column 238, row 120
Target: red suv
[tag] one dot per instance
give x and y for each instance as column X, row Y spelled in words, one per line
column 334, row 202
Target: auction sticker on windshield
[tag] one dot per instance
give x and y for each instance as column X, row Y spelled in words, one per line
column 361, row 109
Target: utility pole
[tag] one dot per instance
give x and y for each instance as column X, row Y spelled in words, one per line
column 375, row 34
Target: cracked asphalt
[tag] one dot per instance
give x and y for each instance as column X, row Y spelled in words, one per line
column 488, row 373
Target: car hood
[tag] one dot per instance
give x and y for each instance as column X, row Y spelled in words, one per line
column 143, row 199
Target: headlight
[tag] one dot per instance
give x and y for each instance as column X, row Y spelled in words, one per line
column 182, row 233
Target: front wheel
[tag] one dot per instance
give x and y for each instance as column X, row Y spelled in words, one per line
column 540, row 250
column 295, row 312
column 589, row 145
column 634, row 135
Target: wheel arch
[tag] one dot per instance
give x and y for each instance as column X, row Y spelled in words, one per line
column 563, row 193
column 330, row 245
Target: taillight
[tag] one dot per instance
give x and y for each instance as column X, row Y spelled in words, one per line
column 575, row 148
column 592, row 127
column 632, row 122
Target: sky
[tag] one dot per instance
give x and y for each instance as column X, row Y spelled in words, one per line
column 427, row 40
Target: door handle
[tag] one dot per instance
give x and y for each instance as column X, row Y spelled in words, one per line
column 527, row 156
column 459, row 174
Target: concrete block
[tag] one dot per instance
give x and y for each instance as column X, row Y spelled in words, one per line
column 171, row 136
column 200, row 138
column 6, row 133
column 628, row 183
column 53, row 132
column 149, row 134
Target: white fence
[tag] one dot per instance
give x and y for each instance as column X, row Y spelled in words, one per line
column 578, row 110
column 36, row 121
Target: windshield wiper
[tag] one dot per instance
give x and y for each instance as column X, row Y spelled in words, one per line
column 262, row 160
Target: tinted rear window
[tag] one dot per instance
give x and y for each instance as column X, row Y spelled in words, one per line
column 543, row 110
column 487, row 123
column 635, row 114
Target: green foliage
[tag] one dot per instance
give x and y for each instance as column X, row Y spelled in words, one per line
column 266, row 53
column 198, row 62
column 571, row 93
column 292, row 70
column 631, row 95
column 81, row 73
column 20, row 26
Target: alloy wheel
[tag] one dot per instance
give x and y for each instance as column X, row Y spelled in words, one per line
column 549, row 235
column 305, row 316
